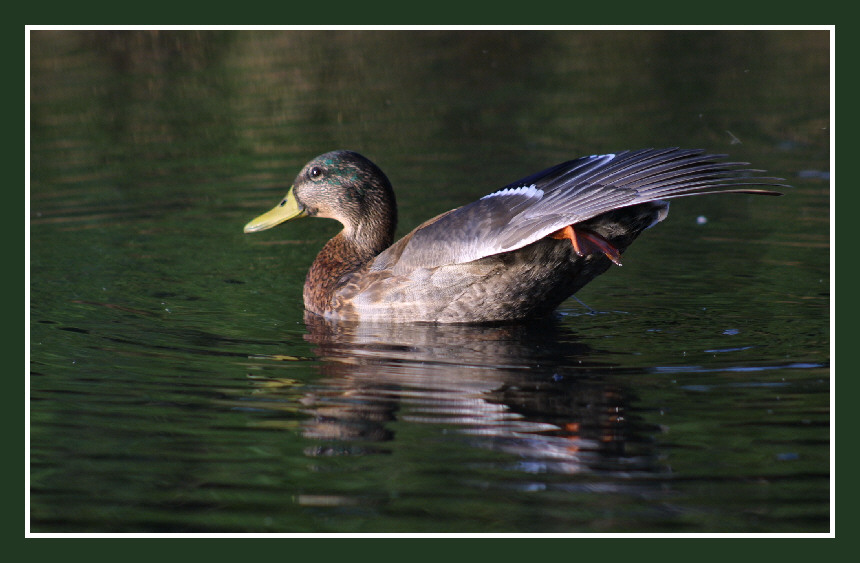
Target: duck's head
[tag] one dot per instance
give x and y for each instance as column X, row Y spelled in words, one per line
column 340, row 185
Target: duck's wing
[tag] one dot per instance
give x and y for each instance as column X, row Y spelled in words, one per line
column 568, row 193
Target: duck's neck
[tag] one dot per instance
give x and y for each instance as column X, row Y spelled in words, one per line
column 346, row 253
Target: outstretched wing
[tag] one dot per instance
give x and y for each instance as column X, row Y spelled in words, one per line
column 569, row 193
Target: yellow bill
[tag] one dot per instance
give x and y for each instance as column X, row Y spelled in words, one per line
column 289, row 208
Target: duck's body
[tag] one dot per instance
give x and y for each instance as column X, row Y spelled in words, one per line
column 512, row 255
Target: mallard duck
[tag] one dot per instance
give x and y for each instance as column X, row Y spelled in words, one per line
column 512, row 255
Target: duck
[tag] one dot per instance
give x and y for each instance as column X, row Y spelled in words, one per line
column 513, row 255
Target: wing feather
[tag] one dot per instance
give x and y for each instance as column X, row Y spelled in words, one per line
column 569, row 193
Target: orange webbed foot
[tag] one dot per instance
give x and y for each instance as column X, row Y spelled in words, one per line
column 585, row 243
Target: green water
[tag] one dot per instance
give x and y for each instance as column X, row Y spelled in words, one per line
column 176, row 387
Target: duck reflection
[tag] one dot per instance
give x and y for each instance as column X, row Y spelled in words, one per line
column 529, row 390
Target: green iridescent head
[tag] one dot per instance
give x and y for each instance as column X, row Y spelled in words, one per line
column 340, row 185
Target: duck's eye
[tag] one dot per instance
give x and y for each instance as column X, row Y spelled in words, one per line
column 315, row 172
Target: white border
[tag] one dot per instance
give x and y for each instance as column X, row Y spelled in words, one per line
column 832, row 125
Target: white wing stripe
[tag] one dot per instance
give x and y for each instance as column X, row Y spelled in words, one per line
column 528, row 191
